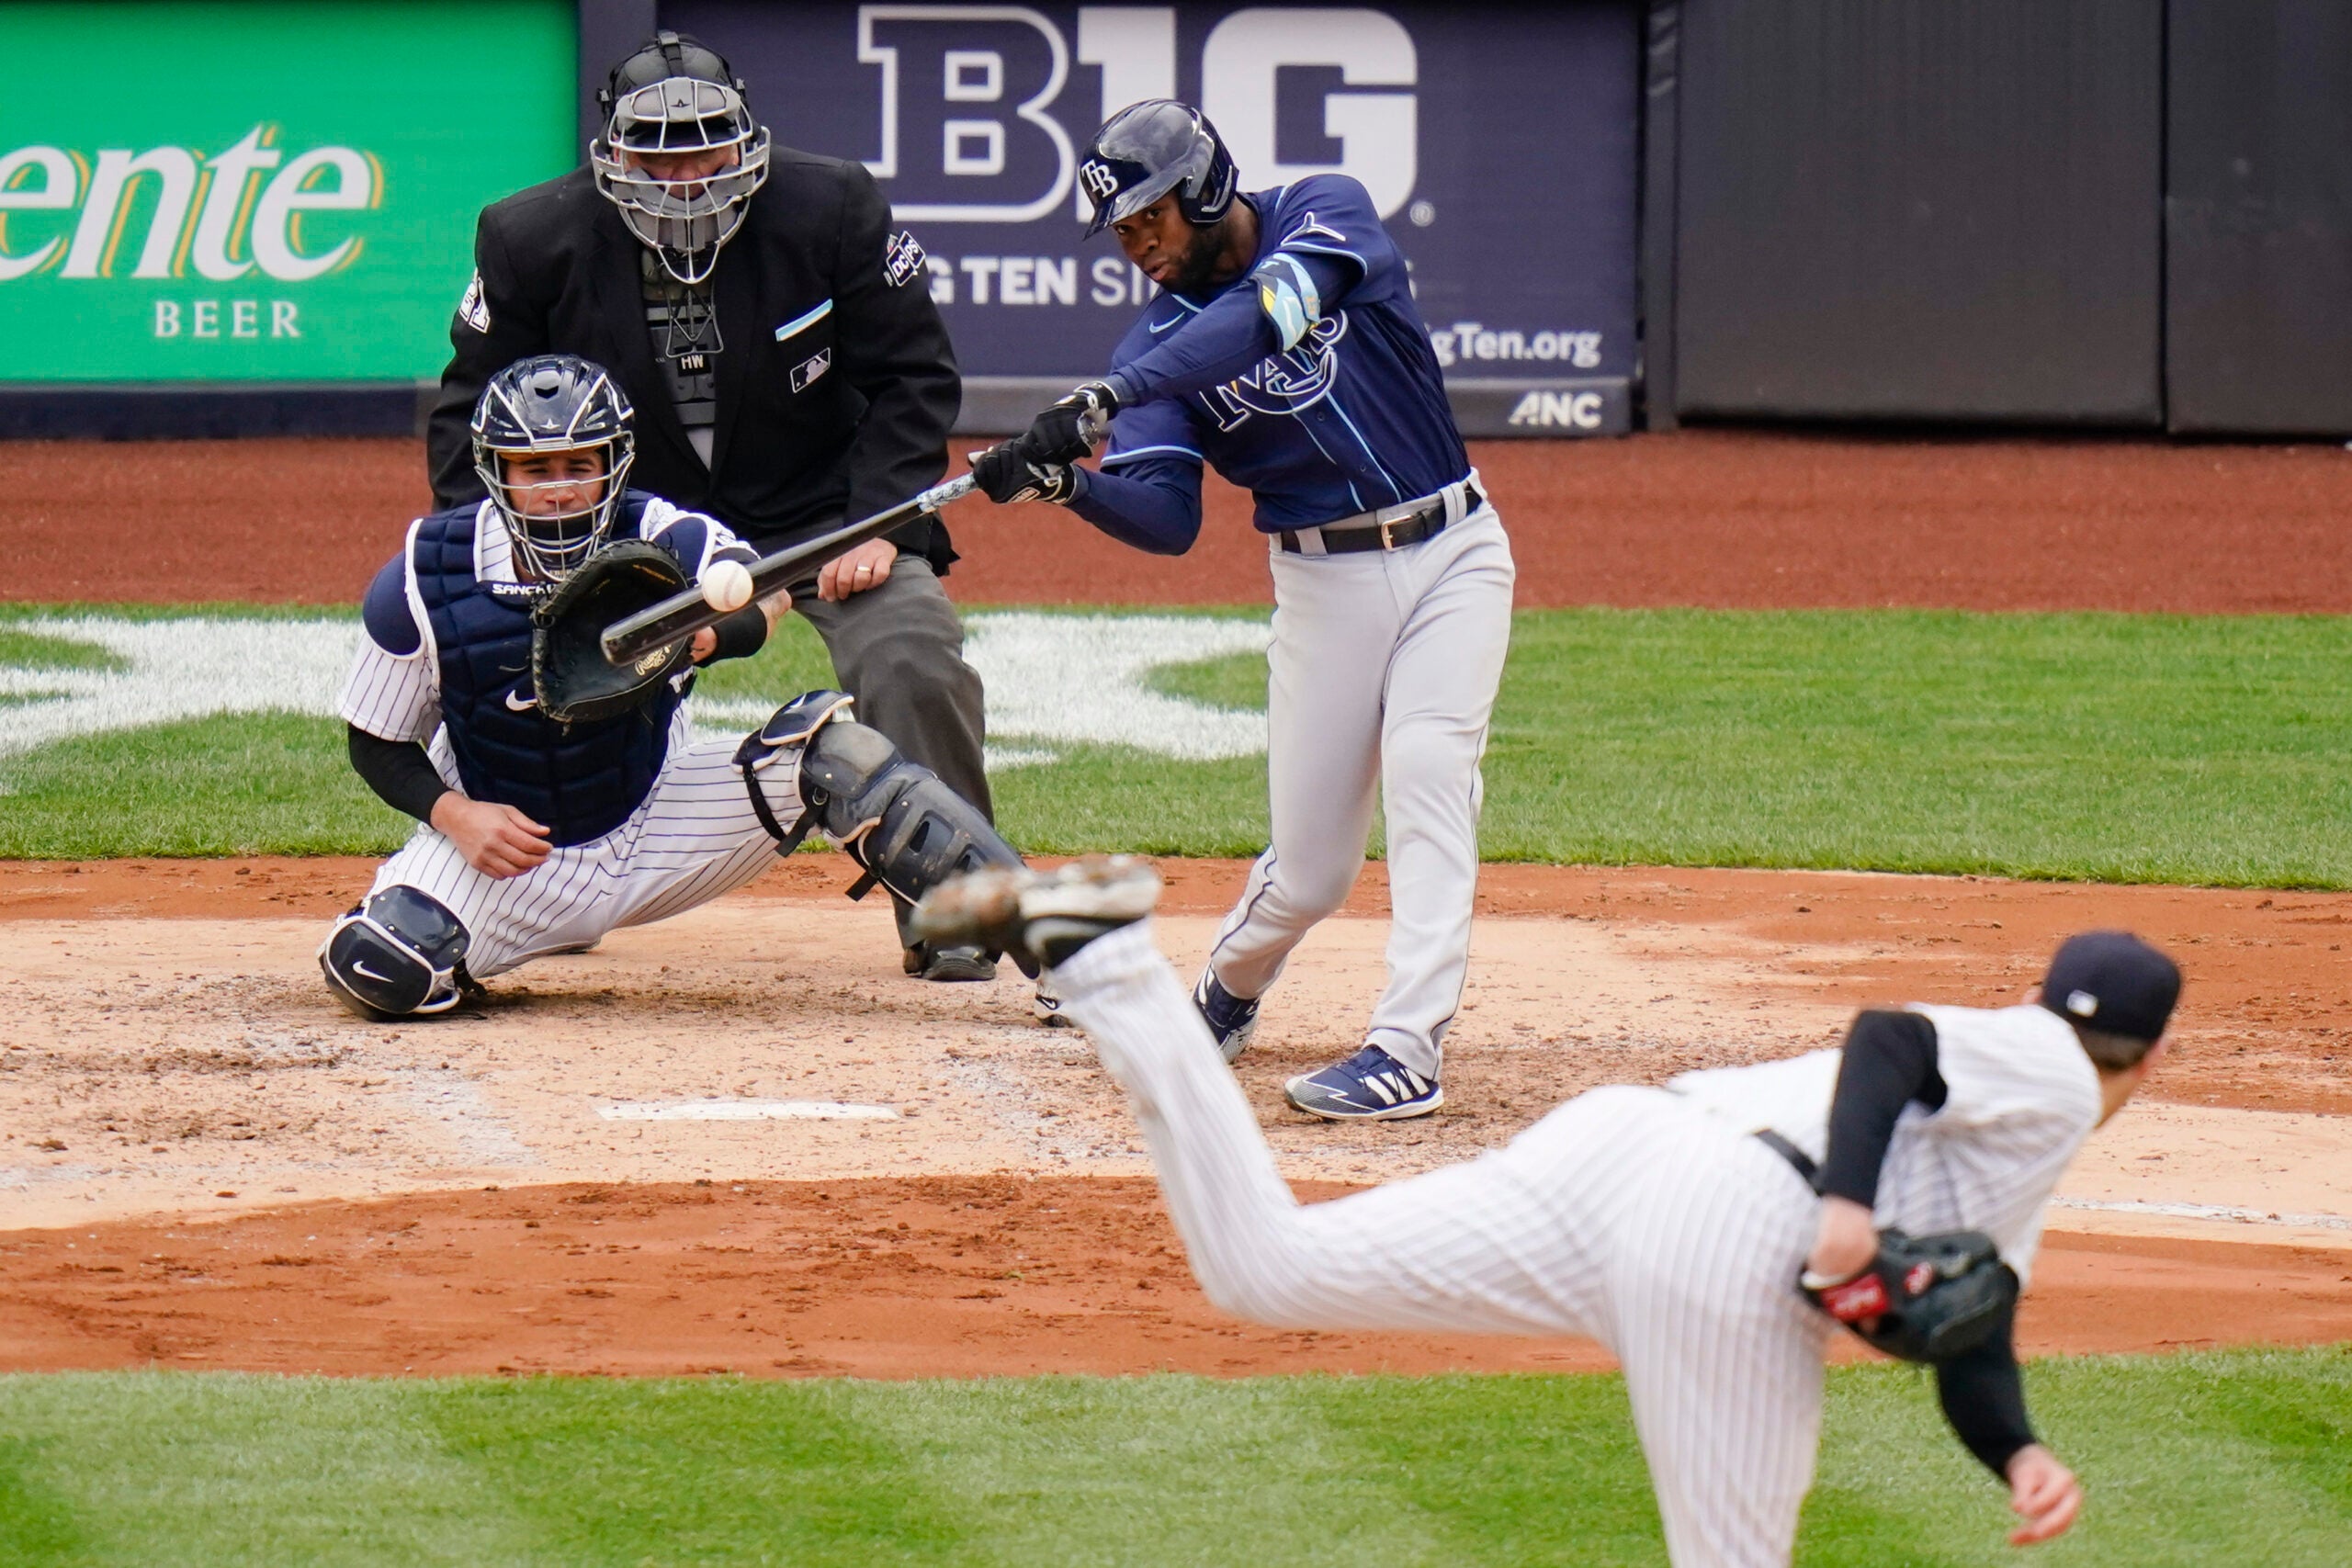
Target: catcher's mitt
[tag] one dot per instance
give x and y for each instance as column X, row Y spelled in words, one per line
column 568, row 667
column 1924, row 1298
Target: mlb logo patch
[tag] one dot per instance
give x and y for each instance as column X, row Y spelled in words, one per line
column 903, row 258
column 809, row 369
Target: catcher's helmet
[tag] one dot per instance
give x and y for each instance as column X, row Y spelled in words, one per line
column 1149, row 149
column 554, row 402
column 674, row 95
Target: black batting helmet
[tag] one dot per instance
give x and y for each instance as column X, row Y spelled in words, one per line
column 1149, row 149
column 554, row 402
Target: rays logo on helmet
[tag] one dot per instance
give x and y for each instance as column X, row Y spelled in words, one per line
column 903, row 258
column 1100, row 180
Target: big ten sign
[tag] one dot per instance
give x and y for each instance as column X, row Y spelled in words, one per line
column 265, row 191
column 1497, row 143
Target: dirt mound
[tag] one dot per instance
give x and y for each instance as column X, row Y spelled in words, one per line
column 947, row 1278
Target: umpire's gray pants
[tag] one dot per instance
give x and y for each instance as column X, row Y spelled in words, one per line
column 898, row 650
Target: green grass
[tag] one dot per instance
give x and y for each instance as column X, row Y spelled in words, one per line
column 2092, row 746
column 2224, row 1458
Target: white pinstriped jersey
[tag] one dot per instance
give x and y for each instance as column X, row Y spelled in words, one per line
column 1642, row 1217
column 396, row 695
column 2020, row 1097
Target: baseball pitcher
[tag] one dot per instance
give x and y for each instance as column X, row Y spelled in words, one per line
column 1713, row 1233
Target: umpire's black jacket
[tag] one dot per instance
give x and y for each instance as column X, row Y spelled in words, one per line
column 560, row 273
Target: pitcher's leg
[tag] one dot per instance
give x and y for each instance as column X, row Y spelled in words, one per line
column 1441, row 685
column 1723, row 1360
column 1323, row 670
column 1440, row 1251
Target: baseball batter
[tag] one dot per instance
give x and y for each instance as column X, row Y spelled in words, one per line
column 1672, row 1225
column 1284, row 348
column 535, row 837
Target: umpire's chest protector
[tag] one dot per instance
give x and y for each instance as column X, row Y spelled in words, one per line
column 583, row 780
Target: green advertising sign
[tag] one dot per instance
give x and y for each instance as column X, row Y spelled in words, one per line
column 264, row 191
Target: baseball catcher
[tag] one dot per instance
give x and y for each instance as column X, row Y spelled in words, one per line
column 1710, row 1232
column 543, row 824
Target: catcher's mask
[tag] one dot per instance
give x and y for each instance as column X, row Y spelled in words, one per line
column 676, row 96
column 554, row 404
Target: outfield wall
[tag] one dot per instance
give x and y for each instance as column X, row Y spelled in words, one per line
column 2134, row 214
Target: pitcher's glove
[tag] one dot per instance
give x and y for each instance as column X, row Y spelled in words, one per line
column 1924, row 1298
column 567, row 666
column 1006, row 474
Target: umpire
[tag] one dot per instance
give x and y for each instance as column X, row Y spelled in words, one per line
column 789, row 369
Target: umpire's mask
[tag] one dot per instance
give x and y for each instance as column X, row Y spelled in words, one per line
column 675, row 98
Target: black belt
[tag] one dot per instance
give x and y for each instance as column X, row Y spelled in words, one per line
column 1426, row 522
column 1800, row 1161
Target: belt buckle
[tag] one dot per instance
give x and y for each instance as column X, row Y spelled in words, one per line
column 1387, row 540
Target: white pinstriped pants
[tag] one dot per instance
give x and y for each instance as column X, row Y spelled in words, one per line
column 694, row 837
column 1383, row 673
column 1627, row 1215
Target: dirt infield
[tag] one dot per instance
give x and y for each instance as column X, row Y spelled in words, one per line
column 203, row 1163
column 1704, row 518
column 977, row 1277
column 207, row 1165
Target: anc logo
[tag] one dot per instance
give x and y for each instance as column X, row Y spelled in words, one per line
column 173, row 212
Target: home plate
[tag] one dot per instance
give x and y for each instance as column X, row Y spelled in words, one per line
column 744, row 1110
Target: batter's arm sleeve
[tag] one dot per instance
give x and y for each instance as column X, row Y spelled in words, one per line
column 1889, row 1061
column 399, row 772
column 495, row 324
column 1228, row 337
column 1983, row 1398
column 893, row 348
column 1151, row 501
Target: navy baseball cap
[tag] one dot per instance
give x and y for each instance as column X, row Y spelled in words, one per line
column 2114, row 982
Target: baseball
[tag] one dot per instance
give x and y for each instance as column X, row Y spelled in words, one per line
column 727, row 586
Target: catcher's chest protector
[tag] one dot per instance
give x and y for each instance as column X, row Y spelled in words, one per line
column 583, row 780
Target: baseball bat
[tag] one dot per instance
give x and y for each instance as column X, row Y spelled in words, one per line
column 684, row 612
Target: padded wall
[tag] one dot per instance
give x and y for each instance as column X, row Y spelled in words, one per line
column 1917, row 209
column 2258, row 215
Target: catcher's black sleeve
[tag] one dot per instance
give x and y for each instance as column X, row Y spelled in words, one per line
column 893, row 348
column 1984, row 1400
column 398, row 771
column 517, row 329
column 1890, row 1061
column 741, row 634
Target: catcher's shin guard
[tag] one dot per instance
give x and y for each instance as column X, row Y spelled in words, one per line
column 399, row 954
column 896, row 818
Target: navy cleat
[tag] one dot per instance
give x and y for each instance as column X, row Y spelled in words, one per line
column 1371, row 1086
column 1231, row 1019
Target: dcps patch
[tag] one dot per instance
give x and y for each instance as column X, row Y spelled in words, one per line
column 902, row 259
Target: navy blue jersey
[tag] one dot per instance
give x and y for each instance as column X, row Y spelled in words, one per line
column 1351, row 419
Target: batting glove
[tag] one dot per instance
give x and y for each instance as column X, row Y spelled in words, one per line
column 1068, row 430
column 1006, row 473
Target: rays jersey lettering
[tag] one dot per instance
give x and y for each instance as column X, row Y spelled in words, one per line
column 1283, row 384
column 1353, row 418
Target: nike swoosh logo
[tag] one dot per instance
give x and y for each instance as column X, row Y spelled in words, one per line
column 363, row 969
column 526, row 706
column 1159, row 327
